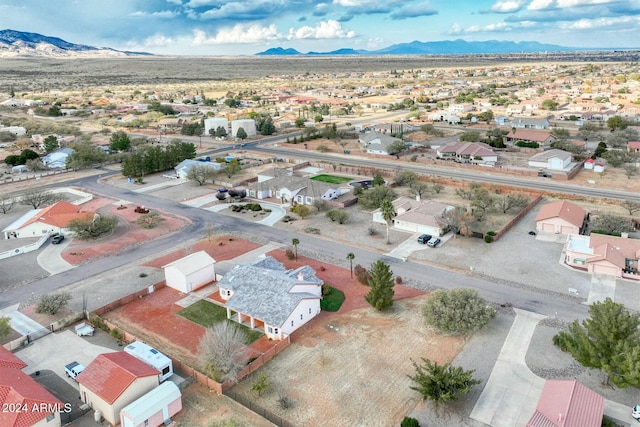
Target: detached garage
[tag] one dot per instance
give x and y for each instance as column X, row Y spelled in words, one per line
column 154, row 408
column 191, row 272
column 562, row 217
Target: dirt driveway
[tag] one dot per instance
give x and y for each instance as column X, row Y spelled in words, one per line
column 351, row 369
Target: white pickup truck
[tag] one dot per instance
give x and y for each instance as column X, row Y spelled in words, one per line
column 73, row 369
column 84, row 330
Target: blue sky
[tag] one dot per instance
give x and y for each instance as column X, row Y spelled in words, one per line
column 244, row 27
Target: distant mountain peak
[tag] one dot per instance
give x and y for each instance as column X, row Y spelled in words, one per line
column 19, row 43
column 279, row 51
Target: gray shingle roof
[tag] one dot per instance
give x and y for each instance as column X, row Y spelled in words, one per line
column 263, row 290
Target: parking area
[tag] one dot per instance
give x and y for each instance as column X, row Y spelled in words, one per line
column 73, row 407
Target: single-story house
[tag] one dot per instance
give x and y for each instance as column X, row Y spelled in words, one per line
column 551, row 159
column 543, row 138
column 266, row 295
column 561, row 217
column 153, row 409
column 191, row 272
column 37, row 406
column 50, row 219
column 567, row 403
column 444, row 116
column 182, row 168
column 468, row 152
column 57, row 159
column 417, row 216
column 603, row 254
column 633, row 146
column 377, row 143
column 295, row 189
column 113, row 381
column 529, row 123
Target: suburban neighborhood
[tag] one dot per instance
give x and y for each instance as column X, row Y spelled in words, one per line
column 324, row 249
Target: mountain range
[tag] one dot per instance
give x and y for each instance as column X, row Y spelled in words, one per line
column 445, row 47
column 21, row 44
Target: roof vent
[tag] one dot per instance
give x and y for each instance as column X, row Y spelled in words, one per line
column 300, row 276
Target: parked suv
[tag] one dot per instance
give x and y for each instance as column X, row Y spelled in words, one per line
column 433, row 242
column 57, row 239
column 73, row 369
column 424, row 239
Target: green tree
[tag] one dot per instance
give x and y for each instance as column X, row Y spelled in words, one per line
column 267, row 127
column 220, row 132
column 606, row 341
column 601, row 148
column 351, row 256
column 86, row 156
column 380, row 295
column 119, row 142
column 441, row 383
column 388, row 214
column 299, row 123
column 5, row 326
column 549, row 104
column 88, row 227
column 241, row 133
column 406, row 178
column 231, row 102
column 615, row 122
column 261, row 384
column 232, row 168
column 457, row 311
column 378, row 180
column 295, row 242
column 372, row 198
column 51, row 143
column 396, row 147
column 52, row 303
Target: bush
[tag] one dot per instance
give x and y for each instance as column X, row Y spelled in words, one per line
column 302, row 210
column 371, row 231
column 398, row 280
column 525, row 144
column 491, row 233
column 115, row 333
column 290, row 254
column 338, row 215
column 488, row 238
column 285, row 402
column 325, row 289
column 458, row 311
column 255, row 207
column 362, row 274
column 52, row 303
column 409, row 422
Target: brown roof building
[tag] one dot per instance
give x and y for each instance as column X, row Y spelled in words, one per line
column 562, row 217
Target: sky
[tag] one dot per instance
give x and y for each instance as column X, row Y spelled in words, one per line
column 245, row 27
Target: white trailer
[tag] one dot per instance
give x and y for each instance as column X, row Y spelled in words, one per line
column 151, row 357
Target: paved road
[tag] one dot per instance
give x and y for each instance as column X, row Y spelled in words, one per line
column 544, row 302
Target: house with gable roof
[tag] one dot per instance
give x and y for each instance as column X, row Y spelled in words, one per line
column 416, row 216
column 267, row 296
column 377, row 143
column 468, row 152
column 567, row 403
column 561, row 217
column 553, row 159
column 113, row 381
column 295, row 189
column 19, row 390
column 603, row 254
column 50, row 219
column 542, row 137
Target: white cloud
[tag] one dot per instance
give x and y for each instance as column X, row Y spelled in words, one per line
column 324, row 30
column 158, row 40
column 507, row 6
column 563, row 4
column 178, row 2
column 602, row 23
column 239, row 33
column 161, row 14
column 351, row 3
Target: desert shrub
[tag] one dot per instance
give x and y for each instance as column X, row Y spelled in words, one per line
column 253, row 207
column 284, row 402
column 312, row 230
column 290, row 254
column 98, row 322
column 325, row 290
column 371, row 231
column 398, row 280
column 338, row 215
column 457, row 311
column 287, row 218
column 409, row 422
column 52, row 303
column 526, row 144
column 115, row 333
column 322, row 148
column 362, row 274
column 301, row 210
column 488, row 239
column 491, row 233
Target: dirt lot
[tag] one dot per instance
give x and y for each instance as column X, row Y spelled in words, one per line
column 334, row 372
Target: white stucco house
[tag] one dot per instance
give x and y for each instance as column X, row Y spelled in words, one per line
column 50, row 219
column 417, row 216
column 266, row 295
column 468, row 152
column 182, row 168
column 603, row 254
column 295, row 189
column 191, row 272
column 57, row 159
column 551, row 159
column 376, row 143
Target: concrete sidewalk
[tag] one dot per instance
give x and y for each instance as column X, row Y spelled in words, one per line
column 50, row 258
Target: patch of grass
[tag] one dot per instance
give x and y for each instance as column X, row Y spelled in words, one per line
column 252, row 334
column 331, row 179
column 204, row 313
column 333, row 300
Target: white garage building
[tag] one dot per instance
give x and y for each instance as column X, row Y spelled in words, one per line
column 191, row 272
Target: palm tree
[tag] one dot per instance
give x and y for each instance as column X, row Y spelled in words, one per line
column 350, row 257
column 388, row 213
column 295, row 243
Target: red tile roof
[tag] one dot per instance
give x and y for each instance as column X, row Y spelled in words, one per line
column 567, row 404
column 10, row 360
column 110, row 374
column 59, row 214
column 19, row 390
column 563, row 209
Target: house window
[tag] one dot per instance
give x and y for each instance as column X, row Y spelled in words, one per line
column 270, row 329
column 275, row 331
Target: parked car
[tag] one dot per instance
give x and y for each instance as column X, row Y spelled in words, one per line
column 57, row 239
column 73, row 369
column 433, row 242
column 423, row 239
column 635, row 412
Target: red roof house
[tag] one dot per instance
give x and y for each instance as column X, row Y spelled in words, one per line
column 566, row 403
column 562, row 217
column 37, row 222
column 114, row 380
column 23, row 401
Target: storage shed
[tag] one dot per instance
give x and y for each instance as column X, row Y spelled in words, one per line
column 191, row 272
column 154, row 408
column 151, row 357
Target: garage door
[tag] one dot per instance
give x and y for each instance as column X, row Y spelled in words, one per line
column 605, row 269
column 549, row 227
column 567, row 230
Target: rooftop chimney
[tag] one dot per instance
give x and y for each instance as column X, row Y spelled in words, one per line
column 300, row 276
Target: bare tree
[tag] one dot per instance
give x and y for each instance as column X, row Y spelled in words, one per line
column 509, row 201
column 451, row 218
column 223, row 351
column 37, row 198
column 482, row 202
column 201, row 174
column 630, row 205
column 6, row 203
column 420, row 188
column 630, row 170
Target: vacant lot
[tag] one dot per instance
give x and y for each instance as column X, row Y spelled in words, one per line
column 335, row 373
